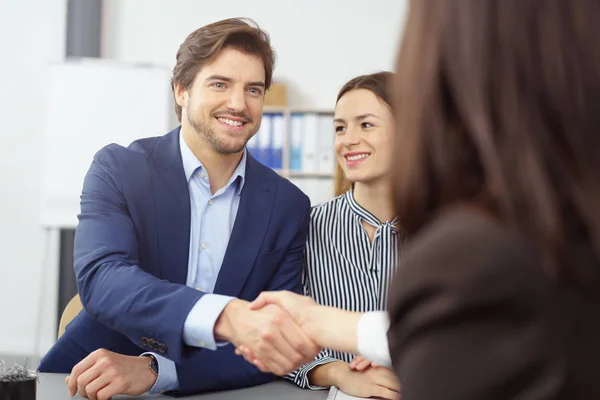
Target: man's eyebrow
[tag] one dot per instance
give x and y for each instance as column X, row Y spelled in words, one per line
column 257, row 83
column 226, row 79
column 219, row 78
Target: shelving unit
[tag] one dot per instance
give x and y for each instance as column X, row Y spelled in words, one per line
column 287, row 113
column 318, row 183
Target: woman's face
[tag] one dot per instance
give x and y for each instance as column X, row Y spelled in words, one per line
column 364, row 130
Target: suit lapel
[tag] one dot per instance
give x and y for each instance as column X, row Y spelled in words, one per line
column 172, row 207
column 248, row 232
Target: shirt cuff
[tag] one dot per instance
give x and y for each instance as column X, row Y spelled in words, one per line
column 199, row 326
column 371, row 337
column 167, row 375
column 301, row 375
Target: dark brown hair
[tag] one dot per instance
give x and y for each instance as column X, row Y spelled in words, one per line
column 204, row 44
column 378, row 83
column 498, row 104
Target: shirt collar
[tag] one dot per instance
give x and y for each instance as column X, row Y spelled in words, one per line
column 191, row 164
column 366, row 214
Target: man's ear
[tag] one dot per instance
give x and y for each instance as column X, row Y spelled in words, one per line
column 180, row 94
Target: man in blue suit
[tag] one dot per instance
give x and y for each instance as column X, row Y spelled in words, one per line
column 177, row 233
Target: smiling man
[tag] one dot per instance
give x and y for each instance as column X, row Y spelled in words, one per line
column 178, row 232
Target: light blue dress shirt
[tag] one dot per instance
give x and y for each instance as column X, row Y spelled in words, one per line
column 212, row 218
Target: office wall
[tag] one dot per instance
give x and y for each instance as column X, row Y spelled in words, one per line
column 320, row 45
column 31, row 32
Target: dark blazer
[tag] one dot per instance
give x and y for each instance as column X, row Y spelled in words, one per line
column 474, row 316
column 131, row 259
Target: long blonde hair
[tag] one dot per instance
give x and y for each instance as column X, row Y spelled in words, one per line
column 378, row 83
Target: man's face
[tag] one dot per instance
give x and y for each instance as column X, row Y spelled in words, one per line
column 225, row 102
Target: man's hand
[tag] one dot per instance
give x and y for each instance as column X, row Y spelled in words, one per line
column 299, row 307
column 104, row 374
column 270, row 333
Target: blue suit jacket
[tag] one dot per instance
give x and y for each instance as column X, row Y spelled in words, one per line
column 131, row 257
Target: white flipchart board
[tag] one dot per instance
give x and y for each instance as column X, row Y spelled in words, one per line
column 87, row 105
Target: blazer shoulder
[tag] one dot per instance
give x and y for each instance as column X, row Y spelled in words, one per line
column 114, row 155
column 292, row 194
column 145, row 145
column 285, row 188
column 463, row 249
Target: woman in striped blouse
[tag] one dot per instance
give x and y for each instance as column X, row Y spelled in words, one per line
column 353, row 238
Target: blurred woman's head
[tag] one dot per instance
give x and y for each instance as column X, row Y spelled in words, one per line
column 498, row 104
column 364, row 128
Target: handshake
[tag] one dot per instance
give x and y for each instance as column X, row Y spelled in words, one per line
column 278, row 332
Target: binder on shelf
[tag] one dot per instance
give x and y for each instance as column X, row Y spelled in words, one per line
column 263, row 150
column 278, row 139
column 296, row 142
column 310, row 143
column 326, row 151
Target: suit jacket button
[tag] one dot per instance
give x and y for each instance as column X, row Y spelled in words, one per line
column 145, row 341
column 162, row 348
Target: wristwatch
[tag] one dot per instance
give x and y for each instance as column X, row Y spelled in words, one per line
column 153, row 364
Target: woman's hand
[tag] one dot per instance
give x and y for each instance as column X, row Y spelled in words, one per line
column 369, row 382
column 359, row 363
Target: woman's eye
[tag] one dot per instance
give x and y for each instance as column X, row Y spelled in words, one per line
column 339, row 129
column 366, row 125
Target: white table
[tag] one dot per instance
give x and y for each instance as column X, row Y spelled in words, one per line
column 53, row 387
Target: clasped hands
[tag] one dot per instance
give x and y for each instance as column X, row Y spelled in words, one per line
column 272, row 332
column 361, row 377
column 288, row 339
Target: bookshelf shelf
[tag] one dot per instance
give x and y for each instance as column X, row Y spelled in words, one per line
column 304, row 174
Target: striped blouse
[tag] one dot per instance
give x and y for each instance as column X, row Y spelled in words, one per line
column 343, row 268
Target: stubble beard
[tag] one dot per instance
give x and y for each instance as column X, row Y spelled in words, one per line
column 218, row 144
